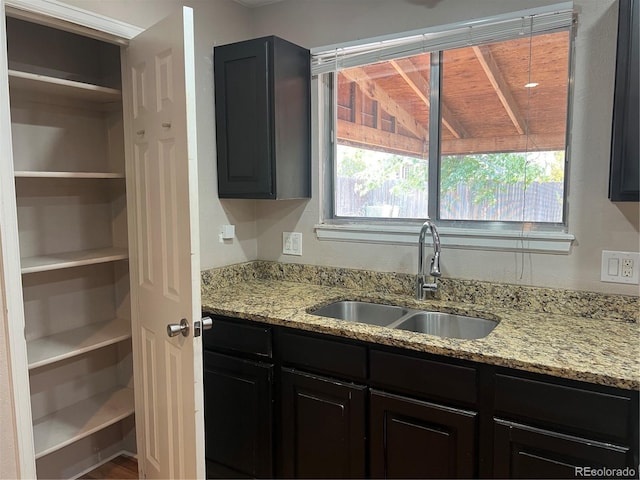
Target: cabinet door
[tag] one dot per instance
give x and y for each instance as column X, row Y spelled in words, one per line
column 243, row 119
column 624, row 183
column 323, row 427
column 417, row 439
column 238, row 416
column 522, row 451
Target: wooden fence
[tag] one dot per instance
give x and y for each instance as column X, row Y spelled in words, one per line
column 541, row 202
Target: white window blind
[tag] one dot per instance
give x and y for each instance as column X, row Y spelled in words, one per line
column 444, row 37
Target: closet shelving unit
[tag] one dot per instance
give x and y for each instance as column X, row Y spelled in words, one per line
column 43, row 263
column 68, row 149
column 61, row 87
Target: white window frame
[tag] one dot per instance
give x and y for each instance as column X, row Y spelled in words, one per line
column 481, row 235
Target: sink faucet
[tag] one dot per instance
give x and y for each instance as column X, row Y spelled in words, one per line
column 421, row 281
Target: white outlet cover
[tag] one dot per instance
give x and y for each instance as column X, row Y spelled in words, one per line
column 292, row 243
column 612, row 267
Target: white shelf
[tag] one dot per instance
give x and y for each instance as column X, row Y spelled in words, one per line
column 35, row 83
column 57, row 261
column 80, row 420
column 41, row 174
column 47, row 350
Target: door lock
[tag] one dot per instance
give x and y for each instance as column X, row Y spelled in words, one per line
column 199, row 325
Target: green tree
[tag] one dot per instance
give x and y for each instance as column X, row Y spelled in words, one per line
column 482, row 173
column 372, row 169
column 351, row 162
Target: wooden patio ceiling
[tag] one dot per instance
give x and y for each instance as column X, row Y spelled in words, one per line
column 485, row 106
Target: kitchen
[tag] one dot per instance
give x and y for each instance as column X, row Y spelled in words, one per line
column 596, row 223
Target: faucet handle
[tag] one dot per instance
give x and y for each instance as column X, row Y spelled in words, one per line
column 429, row 287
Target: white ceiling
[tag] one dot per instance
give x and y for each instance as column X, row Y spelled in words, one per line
column 256, row 3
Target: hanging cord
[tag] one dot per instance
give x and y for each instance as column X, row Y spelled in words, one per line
column 526, row 149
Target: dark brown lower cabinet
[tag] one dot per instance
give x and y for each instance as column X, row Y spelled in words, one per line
column 238, row 419
column 369, row 412
column 522, row 451
column 416, row 439
column 323, row 427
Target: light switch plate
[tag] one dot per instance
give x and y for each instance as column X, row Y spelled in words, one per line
column 292, row 243
column 620, row 267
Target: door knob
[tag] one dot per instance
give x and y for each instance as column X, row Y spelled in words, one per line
column 174, row 329
column 207, row 323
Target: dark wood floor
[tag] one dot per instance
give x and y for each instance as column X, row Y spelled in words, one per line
column 120, row 468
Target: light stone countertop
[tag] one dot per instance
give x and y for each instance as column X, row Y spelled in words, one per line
column 599, row 351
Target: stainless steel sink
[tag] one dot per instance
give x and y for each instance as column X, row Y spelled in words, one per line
column 441, row 324
column 446, row 325
column 363, row 312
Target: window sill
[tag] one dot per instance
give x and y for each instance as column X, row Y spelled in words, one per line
column 450, row 237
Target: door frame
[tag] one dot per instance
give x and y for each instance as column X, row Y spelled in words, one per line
column 70, row 18
column 75, row 19
column 12, row 315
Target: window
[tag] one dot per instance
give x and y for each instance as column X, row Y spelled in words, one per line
column 461, row 124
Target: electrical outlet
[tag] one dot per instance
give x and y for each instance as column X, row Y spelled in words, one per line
column 627, row 267
column 620, row 267
column 292, row 243
column 227, row 232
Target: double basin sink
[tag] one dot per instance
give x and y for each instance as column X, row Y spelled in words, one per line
column 441, row 324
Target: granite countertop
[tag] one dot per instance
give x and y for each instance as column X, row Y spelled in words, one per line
column 599, row 351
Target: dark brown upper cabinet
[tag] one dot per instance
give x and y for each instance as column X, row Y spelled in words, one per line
column 263, row 119
column 624, row 177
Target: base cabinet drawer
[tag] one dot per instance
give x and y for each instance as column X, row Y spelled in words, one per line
column 238, row 338
column 326, row 357
column 323, row 427
column 522, row 451
column 578, row 410
column 423, row 377
column 417, row 439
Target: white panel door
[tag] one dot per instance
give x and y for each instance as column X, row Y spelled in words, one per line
column 164, row 252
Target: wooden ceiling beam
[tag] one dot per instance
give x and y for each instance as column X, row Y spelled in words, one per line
column 407, row 70
column 491, row 69
column 507, row 143
column 370, row 88
column 374, row 139
column 371, row 138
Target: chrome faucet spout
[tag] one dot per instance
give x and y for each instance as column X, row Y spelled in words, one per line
column 422, row 286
